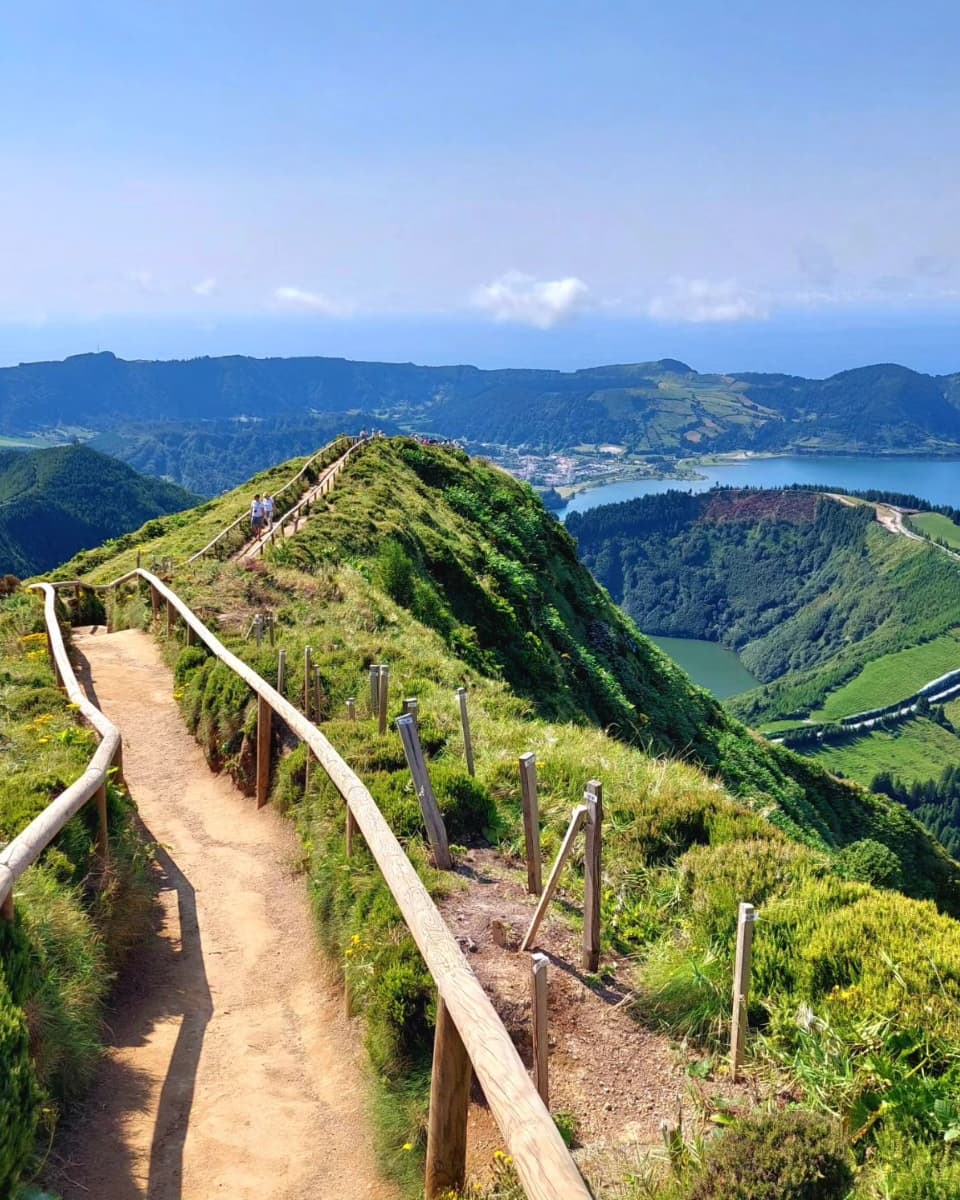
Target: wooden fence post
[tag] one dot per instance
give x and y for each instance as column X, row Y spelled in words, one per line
column 531, row 822
column 436, row 830
column 411, row 707
column 449, row 1102
column 593, row 798
column 374, row 690
column 317, row 694
column 154, row 601
column 307, row 656
column 138, row 560
column 383, row 700
column 264, row 742
column 170, row 618
column 281, row 669
column 258, row 628
column 746, row 916
column 351, row 709
column 577, row 818
column 103, row 843
column 6, row 908
column 465, row 722
column 538, row 1007
column 118, row 763
column 352, row 830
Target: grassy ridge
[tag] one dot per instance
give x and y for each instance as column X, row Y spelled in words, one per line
column 453, row 574
column 73, row 919
column 893, row 677
column 938, row 527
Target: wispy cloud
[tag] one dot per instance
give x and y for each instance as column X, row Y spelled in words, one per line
column 142, row 280
column 527, row 301
column 699, row 301
column 206, row 287
column 316, row 302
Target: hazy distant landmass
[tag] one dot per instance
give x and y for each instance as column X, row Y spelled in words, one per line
column 209, row 422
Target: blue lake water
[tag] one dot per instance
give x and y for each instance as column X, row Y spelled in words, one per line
column 934, row 480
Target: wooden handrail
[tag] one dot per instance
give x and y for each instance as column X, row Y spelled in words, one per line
column 541, row 1159
column 244, row 516
column 30, row 843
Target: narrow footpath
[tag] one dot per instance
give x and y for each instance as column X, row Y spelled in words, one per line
column 231, row 1070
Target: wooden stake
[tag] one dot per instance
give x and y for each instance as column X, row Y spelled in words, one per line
column 531, row 822
column 264, row 742
column 6, row 908
column 258, row 628
column 352, row 830
column 307, row 672
column 383, row 700
column 170, row 618
column 577, row 818
column 103, row 843
column 138, row 560
column 351, row 709
column 281, row 670
column 465, row 722
column 593, row 797
column 118, row 764
column 538, row 1006
column 741, row 986
column 449, row 1101
column 436, row 830
column 374, row 690
column 411, row 707
column 154, row 601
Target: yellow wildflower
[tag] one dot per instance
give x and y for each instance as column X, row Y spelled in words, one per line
column 408, row 1145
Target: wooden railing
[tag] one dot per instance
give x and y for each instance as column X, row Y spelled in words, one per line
column 470, row 1037
column 29, row 844
column 244, row 517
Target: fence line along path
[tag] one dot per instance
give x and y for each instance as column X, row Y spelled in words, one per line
column 470, row 1038
column 231, row 1068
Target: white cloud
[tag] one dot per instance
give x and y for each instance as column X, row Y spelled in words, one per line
column 206, row 287
column 700, row 300
column 317, row 302
column 528, row 301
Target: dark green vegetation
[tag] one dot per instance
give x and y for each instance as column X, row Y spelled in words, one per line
column 836, row 615
column 74, row 919
column 209, row 423
column 452, row 573
column 54, row 502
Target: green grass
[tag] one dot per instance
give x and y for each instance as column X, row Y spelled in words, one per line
column 937, row 526
column 73, row 920
column 915, row 751
column 452, row 574
column 891, row 678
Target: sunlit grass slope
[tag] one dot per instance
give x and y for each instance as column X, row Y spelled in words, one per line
column 452, row 573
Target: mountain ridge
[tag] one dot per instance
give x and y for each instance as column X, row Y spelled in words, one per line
column 662, row 407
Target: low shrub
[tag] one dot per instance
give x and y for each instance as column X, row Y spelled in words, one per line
column 792, row 1155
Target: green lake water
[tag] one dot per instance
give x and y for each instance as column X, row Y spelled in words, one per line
column 711, row 666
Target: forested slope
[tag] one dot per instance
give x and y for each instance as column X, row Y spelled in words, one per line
column 232, row 413
column 54, row 502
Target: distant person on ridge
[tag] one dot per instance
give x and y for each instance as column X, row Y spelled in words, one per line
column 256, row 516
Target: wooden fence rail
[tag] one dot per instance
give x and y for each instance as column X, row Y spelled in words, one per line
column 542, row 1161
column 30, row 843
column 245, row 515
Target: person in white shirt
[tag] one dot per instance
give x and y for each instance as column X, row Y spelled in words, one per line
column 268, row 512
column 256, row 516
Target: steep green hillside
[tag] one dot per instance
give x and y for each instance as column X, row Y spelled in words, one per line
column 835, row 614
column 452, row 573
column 55, row 501
column 229, row 414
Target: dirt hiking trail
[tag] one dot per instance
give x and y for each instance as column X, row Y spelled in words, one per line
column 230, row 1070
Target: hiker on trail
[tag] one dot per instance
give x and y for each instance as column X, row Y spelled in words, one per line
column 268, row 511
column 256, row 516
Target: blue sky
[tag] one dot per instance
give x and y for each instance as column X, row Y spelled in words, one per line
column 743, row 185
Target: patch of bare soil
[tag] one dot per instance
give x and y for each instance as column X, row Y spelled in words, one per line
column 618, row 1079
column 231, row 1070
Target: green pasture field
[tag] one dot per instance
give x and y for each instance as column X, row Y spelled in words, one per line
column 891, row 678
column 916, row 751
column 936, row 525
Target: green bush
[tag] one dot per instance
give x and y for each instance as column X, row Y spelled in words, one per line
column 792, row 1155
column 19, row 1095
column 869, row 861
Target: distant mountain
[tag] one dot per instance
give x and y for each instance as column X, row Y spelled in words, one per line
column 231, row 416
column 57, row 501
